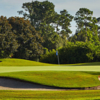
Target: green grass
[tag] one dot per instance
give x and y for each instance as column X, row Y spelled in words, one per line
column 4, row 69
column 58, row 78
column 64, row 75
column 52, row 75
column 85, row 64
column 21, row 62
column 50, row 95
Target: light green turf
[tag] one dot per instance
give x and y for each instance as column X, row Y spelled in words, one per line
column 49, row 68
column 15, row 65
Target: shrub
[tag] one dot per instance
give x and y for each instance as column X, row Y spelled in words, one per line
column 78, row 52
column 50, row 57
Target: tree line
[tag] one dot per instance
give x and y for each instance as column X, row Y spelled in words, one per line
column 42, row 29
column 18, row 38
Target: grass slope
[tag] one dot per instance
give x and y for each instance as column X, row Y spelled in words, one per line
column 50, row 95
column 64, row 79
column 49, row 74
column 21, row 62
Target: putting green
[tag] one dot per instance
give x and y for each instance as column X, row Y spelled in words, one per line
column 4, row 69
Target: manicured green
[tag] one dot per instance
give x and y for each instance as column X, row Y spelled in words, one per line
column 50, row 95
column 58, row 78
column 4, row 69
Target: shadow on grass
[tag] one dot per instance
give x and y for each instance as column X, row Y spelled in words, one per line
column 93, row 73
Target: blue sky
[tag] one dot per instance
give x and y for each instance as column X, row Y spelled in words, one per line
column 9, row 8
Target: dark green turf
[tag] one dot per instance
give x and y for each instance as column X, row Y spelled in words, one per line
column 58, row 78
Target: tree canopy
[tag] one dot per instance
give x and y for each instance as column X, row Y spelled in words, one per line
column 43, row 29
column 87, row 28
column 45, row 20
column 28, row 38
column 8, row 43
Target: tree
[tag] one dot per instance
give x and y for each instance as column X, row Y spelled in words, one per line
column 62, row 23
column 8, row 43
column 43, row 17
column 98, row 23
column 38, row 13
column 86, row 24
column 28, row 38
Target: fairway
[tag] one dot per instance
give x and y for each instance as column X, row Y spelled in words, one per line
column 4, row 69
column 50, row 95
column 65, row 76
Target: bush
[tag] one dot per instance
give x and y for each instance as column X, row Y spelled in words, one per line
column 78, row 52
column 50, row 57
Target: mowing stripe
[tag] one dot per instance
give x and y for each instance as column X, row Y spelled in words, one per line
column 49, row 68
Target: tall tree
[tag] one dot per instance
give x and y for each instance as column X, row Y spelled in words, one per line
column 98, row 23
column 39, row 13
column 28, row 39
column 43, row 17
column 62, row 23
column 86, row 24
column 8, row 43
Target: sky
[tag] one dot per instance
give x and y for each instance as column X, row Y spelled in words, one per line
column 9, row 8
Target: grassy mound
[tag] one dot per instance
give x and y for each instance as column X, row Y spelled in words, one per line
column 21, row 62
column 65, row 79
column 77, row 75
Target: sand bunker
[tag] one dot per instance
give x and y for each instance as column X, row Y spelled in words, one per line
column 10, row 84
column 15, row 84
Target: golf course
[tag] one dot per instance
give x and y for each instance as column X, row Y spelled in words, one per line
column 27, row 80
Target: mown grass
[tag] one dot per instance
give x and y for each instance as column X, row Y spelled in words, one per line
column 72, row 79
column 85, row 64
column 50, row 95
column 65, row 75
column 21, row 62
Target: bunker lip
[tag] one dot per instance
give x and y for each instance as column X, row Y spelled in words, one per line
column 7, row 83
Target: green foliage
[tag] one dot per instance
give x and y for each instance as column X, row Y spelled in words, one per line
column 49, row 57
column 28, row 38
column 47, row 22
column 38, row 12
column 87, row 28
column 8, row 44
column 78, row 52
column 18, row 38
